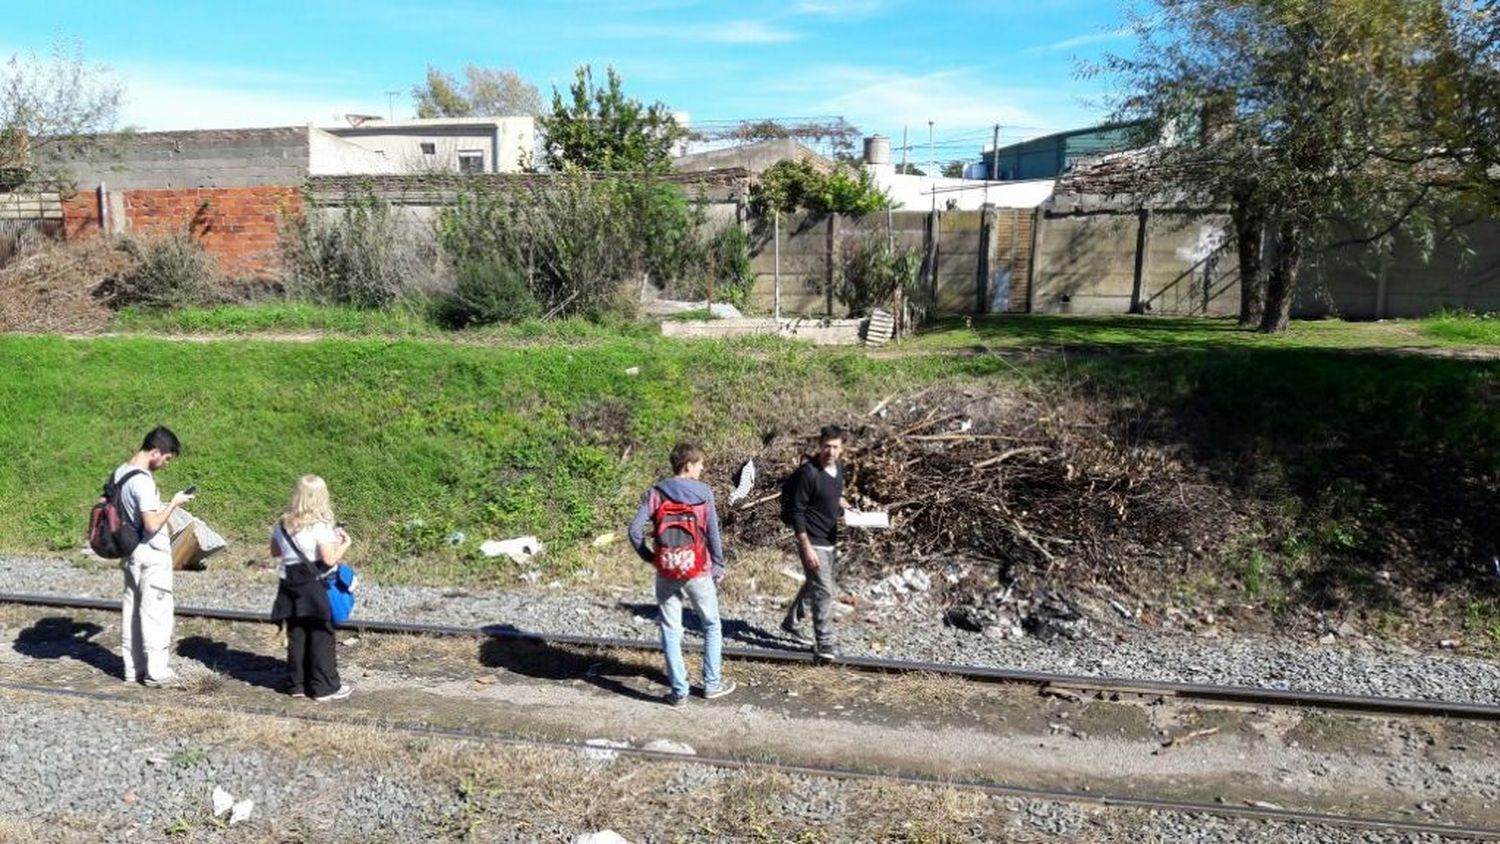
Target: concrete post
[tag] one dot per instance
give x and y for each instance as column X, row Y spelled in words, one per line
column 1142, row 265
column 988, row 237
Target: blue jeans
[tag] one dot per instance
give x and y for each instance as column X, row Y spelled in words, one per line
column 705, row 598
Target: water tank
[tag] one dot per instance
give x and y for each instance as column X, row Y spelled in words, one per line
column 877, row 150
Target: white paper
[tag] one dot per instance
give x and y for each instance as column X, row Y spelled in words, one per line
column 863, row 519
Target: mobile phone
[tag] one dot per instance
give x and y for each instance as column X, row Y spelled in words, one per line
column 192, row 489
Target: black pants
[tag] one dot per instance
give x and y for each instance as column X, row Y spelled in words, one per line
column 310, row 657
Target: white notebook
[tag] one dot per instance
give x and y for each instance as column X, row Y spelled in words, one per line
column 866, row 519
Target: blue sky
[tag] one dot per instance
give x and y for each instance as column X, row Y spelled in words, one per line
column 881, row 64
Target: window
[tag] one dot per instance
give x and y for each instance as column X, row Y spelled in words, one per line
column 470, row 161
column 429, row 149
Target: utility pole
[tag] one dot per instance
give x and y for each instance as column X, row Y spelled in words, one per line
column 390, row 103
column 904, row 127
column 994, row 171
column 931, row 152
column 995, row 155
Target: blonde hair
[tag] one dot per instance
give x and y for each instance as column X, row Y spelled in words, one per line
column 309, row 505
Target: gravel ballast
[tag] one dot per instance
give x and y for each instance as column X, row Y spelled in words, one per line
column 911, row 628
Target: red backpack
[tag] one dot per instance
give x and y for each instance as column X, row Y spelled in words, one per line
column 110, row 534
column 681, row 547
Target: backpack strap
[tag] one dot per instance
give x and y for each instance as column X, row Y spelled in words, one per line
column 117, row 485
column 285, row 534
column 112, row 490
column 321, row 569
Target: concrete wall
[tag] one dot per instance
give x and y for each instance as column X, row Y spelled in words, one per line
column 1358, row 282
column 506, row 143
column 330, row 155
column 201, row 159
column 1087, row 263
column 978, row 256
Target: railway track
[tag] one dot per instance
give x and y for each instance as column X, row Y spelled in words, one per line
column 1243, row 695
column 1258, row 812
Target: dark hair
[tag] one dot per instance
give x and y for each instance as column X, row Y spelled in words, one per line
column 683, row 454
column 162, row 439
column 830, row 432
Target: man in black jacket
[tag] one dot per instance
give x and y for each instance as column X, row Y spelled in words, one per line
column 811, row 501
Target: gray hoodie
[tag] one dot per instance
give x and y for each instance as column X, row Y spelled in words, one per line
column 683, row 491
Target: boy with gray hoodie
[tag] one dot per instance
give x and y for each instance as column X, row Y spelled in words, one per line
column 689, row 559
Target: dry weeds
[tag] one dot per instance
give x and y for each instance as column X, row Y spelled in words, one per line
column 52, row 288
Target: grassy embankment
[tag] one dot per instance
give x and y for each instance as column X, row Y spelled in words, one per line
column 549, row 434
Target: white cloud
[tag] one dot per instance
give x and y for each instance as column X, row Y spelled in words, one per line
column 1083, row 40
column 956, row 99
column 728, row 32
column 838, row 8
column 155, row 102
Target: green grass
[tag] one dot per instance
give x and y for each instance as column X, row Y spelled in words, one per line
column 416, row 438
column 1158, row 333
column 277, row 317
column 406, row 321
column 1463, row 328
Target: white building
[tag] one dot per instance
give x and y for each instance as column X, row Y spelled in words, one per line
column 448, row 144
column 922, row 193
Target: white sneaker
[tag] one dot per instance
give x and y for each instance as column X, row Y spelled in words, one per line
column 343, row 692
column 171, row 681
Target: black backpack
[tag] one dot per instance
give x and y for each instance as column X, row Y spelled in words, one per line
column 110, row 534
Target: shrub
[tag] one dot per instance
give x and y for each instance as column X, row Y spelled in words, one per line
column 725, row 257
column 871, row 272
column 168, row 271
column 791, row 184
column 368, row 256
column 487, row 291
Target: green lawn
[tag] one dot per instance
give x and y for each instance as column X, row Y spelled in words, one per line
column 1156, row 332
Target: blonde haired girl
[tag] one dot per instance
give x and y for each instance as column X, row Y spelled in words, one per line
column 309, row 542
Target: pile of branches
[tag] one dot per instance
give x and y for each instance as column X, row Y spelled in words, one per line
column 1036, row 486
column 53, row 286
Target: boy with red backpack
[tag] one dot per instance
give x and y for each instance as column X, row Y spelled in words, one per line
column 689, row 560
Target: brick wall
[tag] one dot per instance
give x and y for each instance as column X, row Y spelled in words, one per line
column 238, row 226
column 80, row 215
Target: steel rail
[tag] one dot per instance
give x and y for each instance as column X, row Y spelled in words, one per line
column 1246, row 695
column 1090, row 798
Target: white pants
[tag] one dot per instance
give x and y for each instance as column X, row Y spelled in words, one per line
column 146, row 623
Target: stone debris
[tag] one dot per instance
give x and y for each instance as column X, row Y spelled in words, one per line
column 669, row 746
column 603, row 750
column 603, row 836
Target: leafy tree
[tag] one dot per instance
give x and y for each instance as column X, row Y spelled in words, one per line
column 600, row 129
column 792, row 184
column 54, row 110
column 954, row 169
column 485, row 92
column 910, row 170
column 1461, row 101
column 1305, row 121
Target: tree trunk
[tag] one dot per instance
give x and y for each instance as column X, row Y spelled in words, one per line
column 1249, row 236
column 1280, row 283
